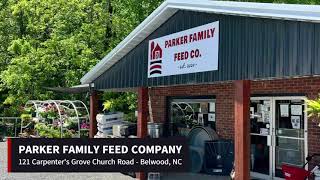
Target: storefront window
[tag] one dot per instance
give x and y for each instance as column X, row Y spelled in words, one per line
column 187, row 113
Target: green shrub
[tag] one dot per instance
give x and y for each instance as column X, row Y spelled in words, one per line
column 313, row 109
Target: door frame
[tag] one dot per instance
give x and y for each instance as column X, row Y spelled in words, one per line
column 272, row 148
column 256, row 174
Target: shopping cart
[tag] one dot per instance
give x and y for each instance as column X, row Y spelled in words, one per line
column 299, row 173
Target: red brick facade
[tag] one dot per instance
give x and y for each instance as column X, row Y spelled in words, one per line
column 224, row 103
column 224, row 92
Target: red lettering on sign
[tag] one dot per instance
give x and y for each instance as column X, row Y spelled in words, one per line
column 181, row 56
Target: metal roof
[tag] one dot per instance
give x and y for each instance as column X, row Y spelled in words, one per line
column 293, row 12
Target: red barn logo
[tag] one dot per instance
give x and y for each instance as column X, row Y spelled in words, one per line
column 155, row 66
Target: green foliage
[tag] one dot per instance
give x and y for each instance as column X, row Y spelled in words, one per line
column 70, row 124
column 124, row 102
column 48, row 131
column 130, row 117
column 26, row 119
column 84, row 133
column 284, row 1
column 313, row 109
column 30, row 110
column 53, row 43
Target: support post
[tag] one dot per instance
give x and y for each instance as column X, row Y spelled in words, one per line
column 242, row 129
column 93, row 113
column 142, row 126
column 142, row 130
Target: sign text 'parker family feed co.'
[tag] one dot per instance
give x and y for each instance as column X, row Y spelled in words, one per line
column 190, row 51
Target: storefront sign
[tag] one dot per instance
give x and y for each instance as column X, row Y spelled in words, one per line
column 190, row 51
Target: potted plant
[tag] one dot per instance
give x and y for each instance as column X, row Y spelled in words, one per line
column 48, row 131
column 30, row 110
column 26, row 119
column 108, row 106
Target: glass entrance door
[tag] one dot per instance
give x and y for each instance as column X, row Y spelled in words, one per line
column 260, row 127
column 278, row 135
column 289, row 133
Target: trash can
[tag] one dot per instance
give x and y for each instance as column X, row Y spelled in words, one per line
column 219, row 157
column 155, row 130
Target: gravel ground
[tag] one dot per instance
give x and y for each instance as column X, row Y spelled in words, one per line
column 52, row 176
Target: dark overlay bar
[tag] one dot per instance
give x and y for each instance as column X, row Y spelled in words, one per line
column 98, row 155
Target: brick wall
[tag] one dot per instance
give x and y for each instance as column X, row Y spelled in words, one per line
column 310, row 86
column 224, row 103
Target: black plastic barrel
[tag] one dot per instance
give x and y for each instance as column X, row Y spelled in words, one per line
column 219, row 157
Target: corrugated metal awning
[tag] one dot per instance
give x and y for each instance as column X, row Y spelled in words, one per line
column 293, row 12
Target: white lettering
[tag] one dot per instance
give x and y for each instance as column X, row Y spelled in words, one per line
column 39, row 149
column 21, row 149
column 156, row 149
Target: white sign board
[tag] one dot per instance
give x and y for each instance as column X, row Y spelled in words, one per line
column 295, row 121
column 296, row 110
column 284, row 110
column 212, row 117
column 190, row 51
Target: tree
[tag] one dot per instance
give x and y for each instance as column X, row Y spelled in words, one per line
column 49, row 43
column 54, row 43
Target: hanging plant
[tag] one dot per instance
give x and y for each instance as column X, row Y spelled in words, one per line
column 313, row 110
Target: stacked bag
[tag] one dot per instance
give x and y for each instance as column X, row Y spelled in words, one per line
column 106, row 122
